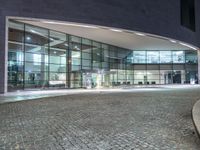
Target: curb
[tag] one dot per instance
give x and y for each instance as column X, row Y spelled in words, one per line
column 196, row 117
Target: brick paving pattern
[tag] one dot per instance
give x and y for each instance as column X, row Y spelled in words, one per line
column 145, row 120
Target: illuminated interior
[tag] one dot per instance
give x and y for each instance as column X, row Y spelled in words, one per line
column 42, row 58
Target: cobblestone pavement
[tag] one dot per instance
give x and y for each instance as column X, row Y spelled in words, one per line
column 152, row 120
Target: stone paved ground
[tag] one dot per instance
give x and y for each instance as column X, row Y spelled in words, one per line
column 152, row 120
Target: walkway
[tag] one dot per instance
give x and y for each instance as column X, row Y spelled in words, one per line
column 151, row 118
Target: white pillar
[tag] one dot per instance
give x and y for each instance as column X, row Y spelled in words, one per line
column 198, row 54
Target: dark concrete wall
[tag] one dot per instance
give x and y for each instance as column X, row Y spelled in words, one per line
column 161, row 17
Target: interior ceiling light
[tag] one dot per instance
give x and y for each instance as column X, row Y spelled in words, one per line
column 66, row 44
column 76, row 47
column 33, row 31
column 140, row 34
column 116, row 30
column 173, row 41
column 71, row 24
column 187, row 45
column 28, row 38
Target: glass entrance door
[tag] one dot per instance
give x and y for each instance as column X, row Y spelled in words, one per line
column 97, row 79
column 87, row 80
column 177, row 77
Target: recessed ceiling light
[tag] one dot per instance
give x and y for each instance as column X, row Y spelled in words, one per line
column 66, row 44
column 28, row 38
column 187, row 45
column 140, row 34
column 116, row 30
column 173, row 41
column 71, row 24
column 33, row 31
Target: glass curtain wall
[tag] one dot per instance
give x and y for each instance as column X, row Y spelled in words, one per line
column 15, row 56
column 36, row 67
column 39, row 58
column 58, row 60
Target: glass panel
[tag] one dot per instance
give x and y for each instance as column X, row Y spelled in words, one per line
column 57, row 60
column 165, row 57
column 122, row 75
column 140, row 77
column 166, row 76
column 152, row 57
column 35, row 66
column 86, row 56
column 59, row 46
column 191, row 57
column 36, row 58
column 139, row 57
column 178, row 76
column 97, row 52
column 129, row 77
column 16, row 32
column 36, row 79
column 57, row 68
column 75, row 68
column 36, row 62
column 35, row 35
column 191, row 77
column 86, row 62
column 178, row 56
column 76, row 55
column 86, row 46
column 153, row 77
column 15, row 56
column 57, row 80
column 15, row 52
column 113, row 54
column 75, row 79
column 105, row 65
column 105, row 51
column 75, row 43
column 124, row 53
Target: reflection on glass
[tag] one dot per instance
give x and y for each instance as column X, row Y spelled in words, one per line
column 97, row 53
column 139, row 57
column 191, row 77
column 191, row 57
column 178, row 76
column 16, row 32
column 51, row 59
column 178, row 56
column 75, row 43
column 36, row 58
column 152, row 57
column 15, row 56
column 165, row 57
column 58, row 43
column 166, row 77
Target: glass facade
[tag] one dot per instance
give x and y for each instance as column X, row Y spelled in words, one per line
column 42, row 58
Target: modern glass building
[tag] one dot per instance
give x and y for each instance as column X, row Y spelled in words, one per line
column 95, row 44
column 41, row 58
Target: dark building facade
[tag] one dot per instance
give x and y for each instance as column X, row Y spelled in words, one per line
column 77, row 67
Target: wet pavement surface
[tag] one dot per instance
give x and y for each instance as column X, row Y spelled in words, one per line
column 152, row 119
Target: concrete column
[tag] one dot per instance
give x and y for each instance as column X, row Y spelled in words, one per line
column 3, row 55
